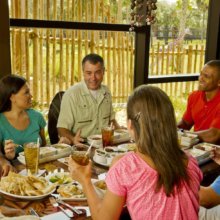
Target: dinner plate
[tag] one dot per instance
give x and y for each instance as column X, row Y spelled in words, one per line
column 74, row 197
column 11, row 196
column 103, row 164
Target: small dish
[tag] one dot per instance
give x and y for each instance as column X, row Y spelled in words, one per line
column 71, row 192
column 102, row 164
column 59, row 178
column 109, row 158
column 96, row 139
column 111, row 149
column 127, row 147
column 207, row 147
column 100, row 158
column 100, row 187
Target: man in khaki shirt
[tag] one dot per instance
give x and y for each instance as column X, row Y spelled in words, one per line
column 86, row 107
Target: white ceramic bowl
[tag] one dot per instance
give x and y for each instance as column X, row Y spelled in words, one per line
column 96, row 139
column 98, row 185
column 100, row 156
column 109, row 158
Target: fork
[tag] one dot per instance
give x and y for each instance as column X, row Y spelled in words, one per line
column 55, row 204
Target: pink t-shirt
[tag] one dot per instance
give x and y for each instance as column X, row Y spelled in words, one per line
column 134, row 178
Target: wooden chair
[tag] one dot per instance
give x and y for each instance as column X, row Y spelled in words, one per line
column 53, row 115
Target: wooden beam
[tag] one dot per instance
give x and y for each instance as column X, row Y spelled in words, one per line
column 5, row 58
column 142, row 49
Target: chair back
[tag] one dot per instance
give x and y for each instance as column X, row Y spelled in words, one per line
column 53, row 115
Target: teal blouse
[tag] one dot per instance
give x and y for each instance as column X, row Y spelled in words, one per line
column 30, row 134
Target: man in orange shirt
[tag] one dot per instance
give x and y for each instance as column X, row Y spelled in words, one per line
column 203, row 107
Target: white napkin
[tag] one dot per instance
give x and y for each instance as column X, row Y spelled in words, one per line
column 102, row 176
column 24, row 172
column 88, row 213
column 61, row 215
column 55, row 216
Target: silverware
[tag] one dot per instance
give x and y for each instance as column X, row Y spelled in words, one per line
column 77, row 211
column 33, row 212
column 55, row 204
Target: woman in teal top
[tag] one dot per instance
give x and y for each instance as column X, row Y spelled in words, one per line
column 18, row 123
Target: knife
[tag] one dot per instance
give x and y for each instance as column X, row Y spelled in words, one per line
column 33, row 212
column 56, row 205
column 77, row 211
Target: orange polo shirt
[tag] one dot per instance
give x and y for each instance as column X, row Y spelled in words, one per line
column 201, row 113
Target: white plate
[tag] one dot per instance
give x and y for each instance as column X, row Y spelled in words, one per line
column 24, row 172
column 64, row 160
column 73, row 198
column 103, row 164
column 206, row 147
column 27, row 197
column 127, row 146
column 59, row 176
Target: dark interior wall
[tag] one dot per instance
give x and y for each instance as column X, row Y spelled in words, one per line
column 213, row 31
column 5, row 60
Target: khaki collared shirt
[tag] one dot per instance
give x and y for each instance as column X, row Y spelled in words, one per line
column 80, row 110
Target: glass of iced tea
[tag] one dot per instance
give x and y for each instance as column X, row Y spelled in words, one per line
column 31, row 154
column 107, row 136
column 80, row 157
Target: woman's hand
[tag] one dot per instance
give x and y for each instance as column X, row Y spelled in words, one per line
column 82, row 174
column 5, row 167
column 10, row 149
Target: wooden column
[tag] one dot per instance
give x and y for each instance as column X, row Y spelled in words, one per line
column 213, row 31
column 142, row 49
column 5, row 59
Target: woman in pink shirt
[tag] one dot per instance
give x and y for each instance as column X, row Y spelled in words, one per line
column 158, row 181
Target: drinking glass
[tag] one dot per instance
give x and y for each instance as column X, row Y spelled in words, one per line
column 31, row 154
column 80, row 157
column 107, row 136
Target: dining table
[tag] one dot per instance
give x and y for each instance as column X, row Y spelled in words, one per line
column 16, row 207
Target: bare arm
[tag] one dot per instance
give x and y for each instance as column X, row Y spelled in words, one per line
column 211, row 135
column 208, row 197
column 74, row 139
column 184, row 125
column 42, row 135
column 116, row 125
column 109, row 207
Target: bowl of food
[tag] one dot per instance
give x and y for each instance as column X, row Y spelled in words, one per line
column 59, row 178
column 207, row 147
column 109, row 158
column 95, row 139
column 100, row 187
column 100, row 156
column 127, row 147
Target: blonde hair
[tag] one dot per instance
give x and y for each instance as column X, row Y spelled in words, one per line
column 152, row 116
